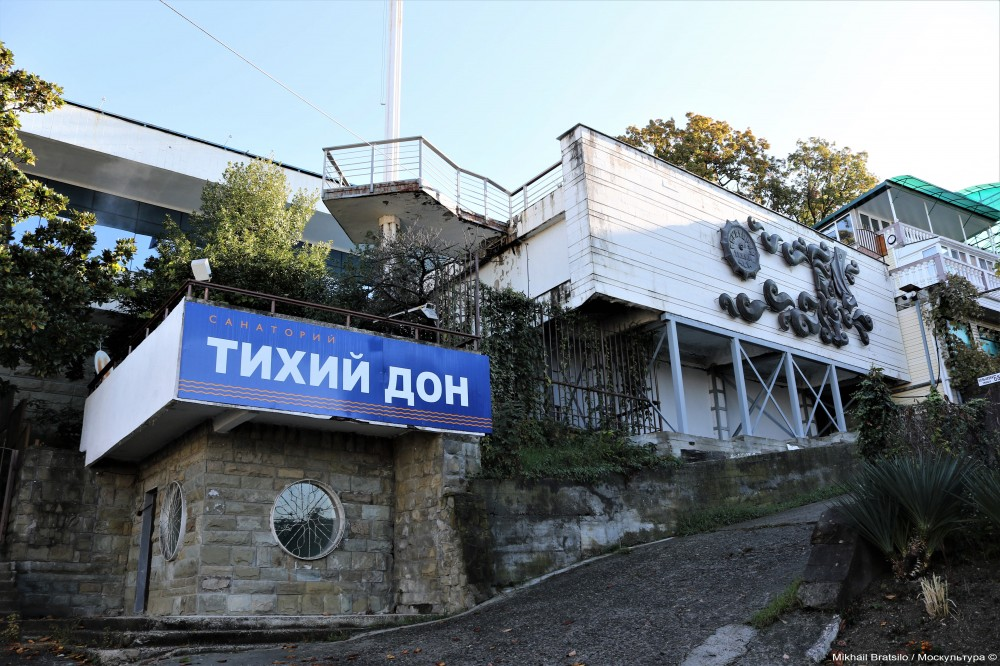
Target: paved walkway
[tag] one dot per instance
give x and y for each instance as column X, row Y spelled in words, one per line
column 680, row 601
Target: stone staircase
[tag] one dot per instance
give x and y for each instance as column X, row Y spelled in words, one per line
column 149, row 636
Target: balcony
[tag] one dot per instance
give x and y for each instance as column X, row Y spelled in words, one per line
column 416, row 182
column 926, row 260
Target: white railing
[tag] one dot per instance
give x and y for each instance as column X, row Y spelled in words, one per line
column 936, row 268
column 913, row 234
column 368, row 165
column 921, row 273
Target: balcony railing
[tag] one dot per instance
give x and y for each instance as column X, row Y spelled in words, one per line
column 364, row 166
column 934, row 269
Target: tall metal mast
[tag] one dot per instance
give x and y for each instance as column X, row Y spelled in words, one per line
column 389, row 224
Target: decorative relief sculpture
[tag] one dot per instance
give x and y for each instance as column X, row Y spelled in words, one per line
column 739, row 250
column 830, row 313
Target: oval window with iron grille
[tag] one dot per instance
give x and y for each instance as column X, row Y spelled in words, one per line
column 307, row 519
column 172, row 519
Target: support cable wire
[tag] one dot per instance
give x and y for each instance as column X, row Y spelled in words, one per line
column 297, row 95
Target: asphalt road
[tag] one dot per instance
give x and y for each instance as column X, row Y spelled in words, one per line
column 663, row 603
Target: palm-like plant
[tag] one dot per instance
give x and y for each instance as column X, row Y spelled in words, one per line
column 984, row 489
column 907, row 506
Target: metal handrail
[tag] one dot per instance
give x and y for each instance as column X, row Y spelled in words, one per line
column 188, row 289
column 357, row 165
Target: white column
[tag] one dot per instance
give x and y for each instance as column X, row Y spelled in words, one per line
column 741, row 386
column 676, row 375
column 793, row 396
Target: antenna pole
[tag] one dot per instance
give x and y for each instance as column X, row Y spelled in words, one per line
column 393, row 84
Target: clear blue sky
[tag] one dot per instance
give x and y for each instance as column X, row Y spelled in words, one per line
column 492, row 84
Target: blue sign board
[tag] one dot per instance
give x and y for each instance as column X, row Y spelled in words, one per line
column 251, row 361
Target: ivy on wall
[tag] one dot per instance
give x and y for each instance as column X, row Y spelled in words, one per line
column 953, row 303
column 532, row 437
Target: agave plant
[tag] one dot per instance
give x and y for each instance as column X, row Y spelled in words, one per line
column 984, row 489
column 907, row 506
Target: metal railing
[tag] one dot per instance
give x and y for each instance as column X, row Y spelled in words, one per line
column 349, row 318
column 365, row 166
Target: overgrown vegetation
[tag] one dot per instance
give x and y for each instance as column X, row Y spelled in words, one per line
column 528, row 441
column 954, row 303
column 887, row 430
column 785, row 602
column 877, row 417
column 11, row 629
column 251, row 235
column 931, row 473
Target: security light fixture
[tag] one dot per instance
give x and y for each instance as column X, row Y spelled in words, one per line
column 427, row 309
column 201, row 270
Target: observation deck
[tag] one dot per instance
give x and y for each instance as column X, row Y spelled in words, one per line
column 420, row 185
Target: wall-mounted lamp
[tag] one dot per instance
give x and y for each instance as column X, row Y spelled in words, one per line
column 201, row 270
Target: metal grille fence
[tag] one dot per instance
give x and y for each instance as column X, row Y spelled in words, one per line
column 598, row 378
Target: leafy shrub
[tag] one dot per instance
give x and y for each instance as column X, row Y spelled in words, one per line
column 877, row 417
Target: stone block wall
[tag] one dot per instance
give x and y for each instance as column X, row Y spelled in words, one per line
column 68, row 534
column 230, row 563
column 542, row 526
column 430, row 568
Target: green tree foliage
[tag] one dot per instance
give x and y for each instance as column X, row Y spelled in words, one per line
column 251, row 235
column 812, row 182
column 821, row 179
column 48, row 279
column 712, row 149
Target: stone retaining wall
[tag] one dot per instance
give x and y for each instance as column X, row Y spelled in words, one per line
column 68, row 533
column 542, row 526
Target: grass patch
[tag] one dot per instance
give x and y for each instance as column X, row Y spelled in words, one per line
column 710, row 519
column 783, row 603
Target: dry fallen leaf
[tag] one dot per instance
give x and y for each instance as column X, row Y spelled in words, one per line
column 417, row 650
column 505, row 631
column 890, row 597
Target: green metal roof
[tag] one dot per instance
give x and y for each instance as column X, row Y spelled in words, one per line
column 987, row 193
column 954, row 198
column 914, row 184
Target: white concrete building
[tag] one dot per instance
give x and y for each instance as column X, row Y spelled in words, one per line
column 741, row 349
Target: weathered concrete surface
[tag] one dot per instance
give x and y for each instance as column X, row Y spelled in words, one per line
column 651, row 604
column 542, row 526
column 841, row 564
